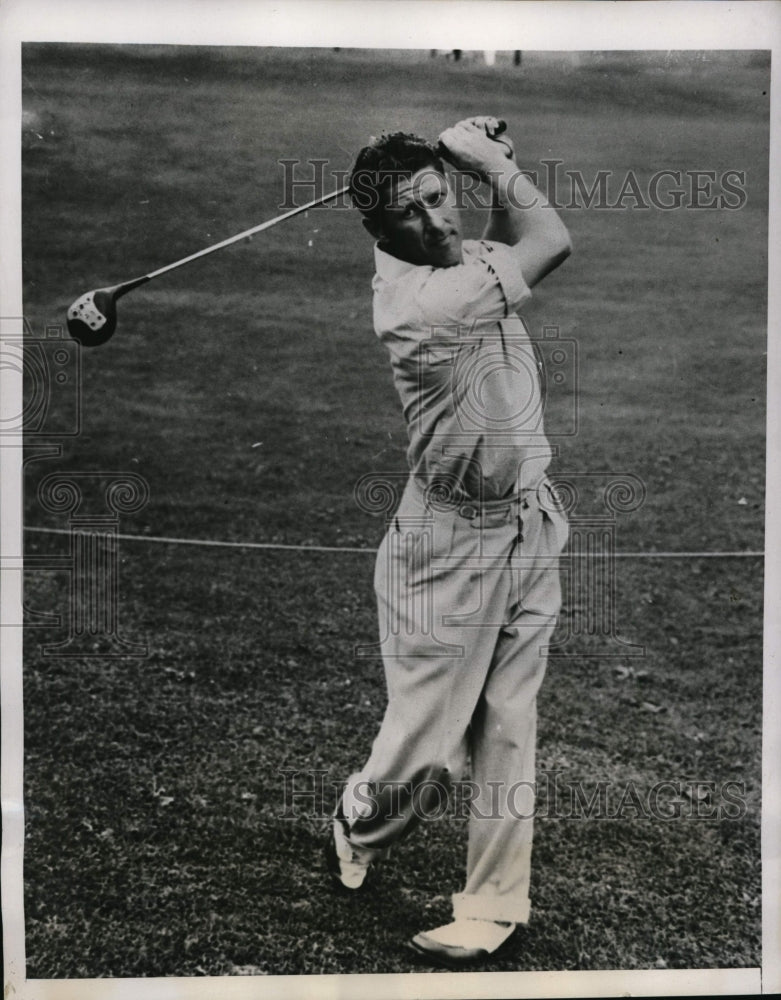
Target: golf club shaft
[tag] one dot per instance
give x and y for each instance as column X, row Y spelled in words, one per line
column 235, row 239
column 135, row 282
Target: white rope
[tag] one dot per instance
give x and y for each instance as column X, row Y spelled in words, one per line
column 212, row 543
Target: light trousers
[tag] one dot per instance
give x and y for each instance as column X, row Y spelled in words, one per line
column 468, row 599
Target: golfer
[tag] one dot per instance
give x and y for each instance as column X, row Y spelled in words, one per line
column 467, row 578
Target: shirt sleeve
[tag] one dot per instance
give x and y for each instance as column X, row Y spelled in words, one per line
column 487, row 287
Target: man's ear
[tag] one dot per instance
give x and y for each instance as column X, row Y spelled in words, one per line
column 373, row 227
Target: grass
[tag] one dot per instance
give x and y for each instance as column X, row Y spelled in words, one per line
column 250, row 393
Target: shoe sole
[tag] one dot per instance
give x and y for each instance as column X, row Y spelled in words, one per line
column 444, row 960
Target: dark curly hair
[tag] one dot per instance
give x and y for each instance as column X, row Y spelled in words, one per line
column 388, row 159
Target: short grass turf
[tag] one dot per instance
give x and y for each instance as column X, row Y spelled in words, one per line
column 249, row 392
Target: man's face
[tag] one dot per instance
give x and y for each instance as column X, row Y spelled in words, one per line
column 421, row 223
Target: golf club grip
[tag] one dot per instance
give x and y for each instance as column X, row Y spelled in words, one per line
column 501, row 126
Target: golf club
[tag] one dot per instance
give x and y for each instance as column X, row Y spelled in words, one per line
column 92, row 318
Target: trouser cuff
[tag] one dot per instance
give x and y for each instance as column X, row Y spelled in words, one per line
column 484, row 906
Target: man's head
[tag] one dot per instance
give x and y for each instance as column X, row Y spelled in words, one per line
column 398, row 184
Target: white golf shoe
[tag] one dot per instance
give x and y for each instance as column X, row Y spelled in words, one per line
column 350, row 866
column 463, row 942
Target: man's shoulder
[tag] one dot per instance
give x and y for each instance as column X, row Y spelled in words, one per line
column 417, row 297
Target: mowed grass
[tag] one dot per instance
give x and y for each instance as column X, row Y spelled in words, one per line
column 249, row 391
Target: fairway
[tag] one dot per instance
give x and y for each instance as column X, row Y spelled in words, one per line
column 248, row 391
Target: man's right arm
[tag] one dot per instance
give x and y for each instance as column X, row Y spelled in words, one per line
column 521, row 217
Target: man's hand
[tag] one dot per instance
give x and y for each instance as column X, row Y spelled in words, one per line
column 469, row 145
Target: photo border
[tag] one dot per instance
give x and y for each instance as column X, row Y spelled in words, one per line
column 385, row 24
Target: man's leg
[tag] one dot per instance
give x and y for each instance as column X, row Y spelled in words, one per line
column 503, row 736
column 434, row 676
column 502, row 742
column 427, row 569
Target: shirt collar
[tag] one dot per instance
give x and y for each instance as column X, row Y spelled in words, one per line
column 389, row 268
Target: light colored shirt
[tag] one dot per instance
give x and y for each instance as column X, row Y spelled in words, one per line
column 465, row 369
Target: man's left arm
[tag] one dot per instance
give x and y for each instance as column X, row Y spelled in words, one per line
column 522, row 217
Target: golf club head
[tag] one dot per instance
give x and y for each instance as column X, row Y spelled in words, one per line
column 92, row 318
